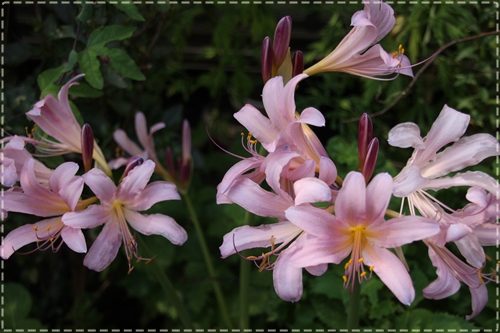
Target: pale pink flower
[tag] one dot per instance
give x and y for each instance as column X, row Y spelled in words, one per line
column 145, row 138
column 121, row 205
column 356, row 55
column 358, row 228
column 12, row 159
column 60, row 197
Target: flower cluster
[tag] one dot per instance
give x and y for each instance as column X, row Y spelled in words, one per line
column 57, row 195
column 324, row 218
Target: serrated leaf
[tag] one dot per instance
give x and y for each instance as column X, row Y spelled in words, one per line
column 123, row 64
column 86, row 13
column 131, row 10
column 71, row 61
column 104, row 35
column 89, row 64
column 48, row 77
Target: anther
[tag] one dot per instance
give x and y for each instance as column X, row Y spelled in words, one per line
column 130, row 270
column 344, row 278
column 371, row 268
column 362, row 274
column 35, row 228
column 348, row 263
column 147, row 262
column 360, row 260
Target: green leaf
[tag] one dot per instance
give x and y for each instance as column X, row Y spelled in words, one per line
column 71, row 61
column 48, row 77
column 114, row 78
column 89, row 64
column 131, row 10
column 84, row 90
column 86, row 13
column 122, row 63
column 104, row 35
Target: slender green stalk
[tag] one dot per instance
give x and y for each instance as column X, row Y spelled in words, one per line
column 168, row 287
column 245, row 266
column 208, row 262
column 353, row 310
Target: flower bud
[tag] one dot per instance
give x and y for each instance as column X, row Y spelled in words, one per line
column 365, row 134
column 266, row 59
column 371, row 159
column 133, row 162
column 281, row 40
column 87, row 140
column 298, row 63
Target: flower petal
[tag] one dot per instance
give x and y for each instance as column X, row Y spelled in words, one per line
column 316, row 221
column 155, row 192
column 469, row 178
column 312, row 116
column 408, row 181
column 327, row 170
column 287, row 279
column 135, row 182
column 350, row 205
column 395, row 232
column 105, row 247
column 257, row 124
column 156, row 224
column 91, row 217
column 102, row 186
column 446, row 284
column 74, row 239
column 311, row 190
column 378, row 194
column 126, row 144
column 406, row 135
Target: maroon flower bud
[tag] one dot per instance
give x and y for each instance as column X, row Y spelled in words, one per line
column 298, row 63
column 87, row 139
column 170, row 162
column 365, row 134
column 266, row 59
column 371, row 159
column 133, row 162
column 281, row 40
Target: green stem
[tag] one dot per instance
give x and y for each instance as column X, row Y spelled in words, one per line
column 168, row 287
column 208, row 262
column 245, row 266
column 353, row 310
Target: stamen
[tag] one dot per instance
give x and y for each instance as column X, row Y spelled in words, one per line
column 344, row 278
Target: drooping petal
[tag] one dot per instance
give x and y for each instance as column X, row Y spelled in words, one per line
column 312, row 116
column 488, row 234
column 327, row 170
column 91, row 217
column 469, row 178
column 287, row 279
column 311, row 190
column 102, row 186
column 16, row 239
column 270, row 98
column 391, row 271
column 317, row 270
column 135, row 182
column 247, row 237
column 156, row 224
column 406, row 135
column 382, row 16
column 287, row 98
column 479, row 297
column 396, row 231
column 141, row 129
column 235, row 172
column 64, row 182
column 304, row 170
column 105, row 248
column 274, row 165
column 155, row 192
column 74, row 239
column 446, row 284
column 472, row 251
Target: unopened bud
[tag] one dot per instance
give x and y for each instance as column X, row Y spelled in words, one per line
column 186, row 142
column 87, row 139
column 371, row 159
column 133, row 162
column 298, row 63
column 365, row 134
column 266, row 59
column 281, row 40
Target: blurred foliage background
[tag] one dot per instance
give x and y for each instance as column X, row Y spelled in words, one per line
column 202, row 63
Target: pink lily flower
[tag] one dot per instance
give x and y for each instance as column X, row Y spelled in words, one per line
column 357, row 229
column 13, row 157
column 60, row 197
column 356, row 55
column 121, row 205
column 145, row 137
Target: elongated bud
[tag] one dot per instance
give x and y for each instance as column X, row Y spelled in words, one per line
column 266, row 59
column 298, row 63
column 365, row 134
column 371, row 159
column 281, row 40
column 87, row 146
column 133, row 162
column 186, row 142
column 170, row 162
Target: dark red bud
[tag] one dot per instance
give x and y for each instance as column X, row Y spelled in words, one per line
column 281, row 41
column 170, row 162
column 365, row 134
column 132, row 163
column 87, row 140
column 298, row 63
column 371, row 159
column 266, row 59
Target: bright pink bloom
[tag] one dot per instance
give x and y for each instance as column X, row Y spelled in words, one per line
column 60, row 197
column 358, row 228
column 356, row 55
column 120, row 205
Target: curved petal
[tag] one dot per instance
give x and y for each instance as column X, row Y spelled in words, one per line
column 402, row 230
column 247, row 237
column 270, row 98
column 128, row 145
column 74, row 239
column 287, row 98
column 488, row 234
column 313, row 251
column 317, row 270
column 64, row 182
column 102, row 186
column 92, row 216
column 408, row 181
column 14, row 201
column 16, row 239
column 141, row 129
column 156, row 224
column 135, row 182
column 316, row 221
column 391, row 271
column 312, row 116
column 469, row 178
column 457, row 231
column 155, row 192
column 479, row 297
column 257, row 124
column 382, row 16
column 304, row 170
column 308, row 190
column 327, row 170
column 378, row 194
column 274, row 165
column 287, row 279
column 32, row 188
column 350, row 205
column 105, row 247
column 234, row 173
column 465, row 152
column 446, row 284
column 406, row 135
column 472, row 251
